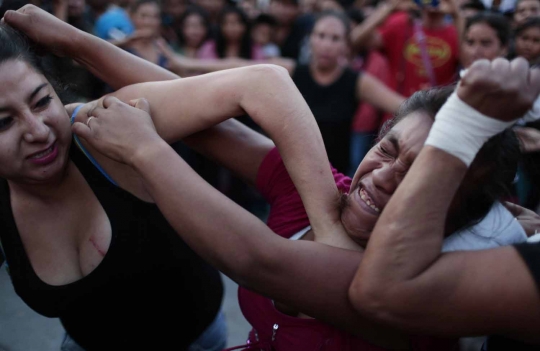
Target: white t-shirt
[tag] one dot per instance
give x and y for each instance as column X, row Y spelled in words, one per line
column 498, row 228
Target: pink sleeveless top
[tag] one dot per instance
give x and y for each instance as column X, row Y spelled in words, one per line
column 273, row 330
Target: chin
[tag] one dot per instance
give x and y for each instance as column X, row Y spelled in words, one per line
column 358, row 225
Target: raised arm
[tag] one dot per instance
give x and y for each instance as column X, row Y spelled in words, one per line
column 404, row 279
column 365, row 35
column 113, row 65
column 269, row 96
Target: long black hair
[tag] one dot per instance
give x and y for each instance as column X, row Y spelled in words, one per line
column 245, row 43
column 15, row 46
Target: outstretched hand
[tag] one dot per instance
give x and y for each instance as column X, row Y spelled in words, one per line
column 43, row 29
column 118, row 130
column 500, row 89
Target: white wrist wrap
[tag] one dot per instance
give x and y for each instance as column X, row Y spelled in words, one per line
column 461, row 131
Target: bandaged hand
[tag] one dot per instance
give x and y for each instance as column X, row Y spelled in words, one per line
column 490, row 98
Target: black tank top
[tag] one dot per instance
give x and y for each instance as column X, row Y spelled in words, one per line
column 151, row 291
column 333, row 106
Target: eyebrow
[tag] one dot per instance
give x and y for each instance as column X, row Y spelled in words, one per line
column 32, row 95
column 391, row 137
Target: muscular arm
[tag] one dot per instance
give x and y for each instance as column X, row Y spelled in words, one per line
column 307, row 276
column 455, row 294
column 268, row 95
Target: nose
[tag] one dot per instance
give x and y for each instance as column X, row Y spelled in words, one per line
column 36, row 130
column 386, row 179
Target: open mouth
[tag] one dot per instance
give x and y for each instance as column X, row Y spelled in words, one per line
column 368, row 200
column 43, row 153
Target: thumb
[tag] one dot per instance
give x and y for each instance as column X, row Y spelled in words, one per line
column 82, row 131
column 141, row 104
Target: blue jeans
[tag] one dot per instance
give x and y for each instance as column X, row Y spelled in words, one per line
column 214, row 338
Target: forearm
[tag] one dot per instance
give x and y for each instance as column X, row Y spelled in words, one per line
column 412, row 222
column 306, row 276
column 113, row 65
column 179, row 64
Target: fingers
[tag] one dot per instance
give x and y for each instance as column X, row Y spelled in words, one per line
column 534, row 82
column 141, row 104
column 82, row 130
column 514, row 209
column 15, row 19
column 71, row 107
column 108, row 101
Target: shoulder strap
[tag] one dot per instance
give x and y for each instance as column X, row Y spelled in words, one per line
column 422, row 43
column 85, row 152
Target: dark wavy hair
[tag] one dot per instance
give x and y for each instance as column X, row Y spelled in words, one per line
column 491, row 174
column 15, row 46
column 245, row 43
column 194, row 10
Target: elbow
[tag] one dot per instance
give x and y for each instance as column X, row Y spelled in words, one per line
column 271, row 75
column 371, row 301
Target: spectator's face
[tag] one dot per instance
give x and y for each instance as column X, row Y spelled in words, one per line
column 284, row 11
column 213, row 7
column 381, row 171
column 526, row 9
column 232, row 28
column 328, row 42
column 194, row 30
column 528, row 44
column 481, row 42
column 250, row 8
column 262, row 34
column 174, row 8
column 147, row 16
column 76, row 8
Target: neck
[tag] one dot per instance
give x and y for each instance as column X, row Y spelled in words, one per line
column 48, row 191
column 325, row 74
column 432, row 20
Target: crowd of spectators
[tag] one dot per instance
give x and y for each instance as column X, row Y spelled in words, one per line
column 402, row 46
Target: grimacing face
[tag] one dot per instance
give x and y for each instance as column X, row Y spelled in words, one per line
column 35, row 131
column 380, row 173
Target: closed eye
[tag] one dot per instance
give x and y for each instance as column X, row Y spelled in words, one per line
column 5, row 122
column 44, row 102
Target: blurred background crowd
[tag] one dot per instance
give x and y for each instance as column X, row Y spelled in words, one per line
column 326, row 45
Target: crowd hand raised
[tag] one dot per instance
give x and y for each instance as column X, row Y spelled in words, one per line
column 43, row 29
column 118, row 130
column 529, row 139
column 529, row 220
column 402, row 5
column 500, row 89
